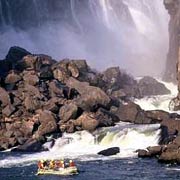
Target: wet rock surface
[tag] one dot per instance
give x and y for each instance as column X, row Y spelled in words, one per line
column 110, row 151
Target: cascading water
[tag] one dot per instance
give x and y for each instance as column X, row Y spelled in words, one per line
column 105, row 32
column 159, row 102
column 84, row 146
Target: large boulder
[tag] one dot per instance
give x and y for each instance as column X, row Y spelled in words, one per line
column 48, row 123
column 30, row 78
column 127, row 112
column 32, row 145
column 149, row 86
column 87, row 121
column 90, row 96
column 67, row 112
column 110, row 151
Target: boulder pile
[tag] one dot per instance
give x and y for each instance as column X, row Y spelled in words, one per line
column 40, row 96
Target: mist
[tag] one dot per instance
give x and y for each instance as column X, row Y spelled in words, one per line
column 129, row 34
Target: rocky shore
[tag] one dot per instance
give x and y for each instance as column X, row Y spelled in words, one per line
column 40, row 96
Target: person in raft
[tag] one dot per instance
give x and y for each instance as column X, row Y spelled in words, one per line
column 41, row 164
column 52, row 164
column 71, row 163
column 60, row 164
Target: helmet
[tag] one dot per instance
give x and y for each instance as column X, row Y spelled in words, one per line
column 70, row 161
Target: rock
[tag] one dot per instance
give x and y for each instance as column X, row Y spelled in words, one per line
column 106, row 118
column 67, row 112
column 155, row 150
column 16, row 53
column 12, row 78
column 128, row 112
column 73, row 69
column 172, row 126
column 81, row 65
column 110, row 151
column 8, row 110
column 30, row 78
column 6, row 143
column 90, row 96
column 33, row 91
column 170, row 74
column 143, row 153
column 112, row 78
column 32, row 103
column 87, row 121
column 31, row 145
column 4, row 97
column 56, row 89
column 149, row 86
column 52, row 105
column 68, row 127
column 48, row 123
column 46, row 73
column 157, row 115
column 170, row 157
column 60, row 74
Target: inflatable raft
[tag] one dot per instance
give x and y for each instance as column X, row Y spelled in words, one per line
column 63, row 172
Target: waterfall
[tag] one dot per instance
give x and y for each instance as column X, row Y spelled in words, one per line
column 2, row 20
column 72, row 5
column 126, row 33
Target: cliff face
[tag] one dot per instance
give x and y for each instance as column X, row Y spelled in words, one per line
column 173, row 7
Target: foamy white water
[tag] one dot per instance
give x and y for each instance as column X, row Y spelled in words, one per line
column 159, row 102
column 84, row 146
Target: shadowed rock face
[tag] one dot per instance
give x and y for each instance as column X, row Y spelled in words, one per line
column 172, row 72
column 40, row 96
column 173, row 8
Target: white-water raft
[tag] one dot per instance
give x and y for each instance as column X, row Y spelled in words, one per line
column 63, row 172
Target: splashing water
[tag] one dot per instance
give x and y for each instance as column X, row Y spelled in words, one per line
column 84, row 146
column 159, row 102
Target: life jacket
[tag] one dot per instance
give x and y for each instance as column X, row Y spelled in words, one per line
column 51, row 164
column 40, row 165
column 71, row 164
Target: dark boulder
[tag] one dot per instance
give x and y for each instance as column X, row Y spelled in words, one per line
column 32, row 145
column 16, row 53
column 110, row 151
